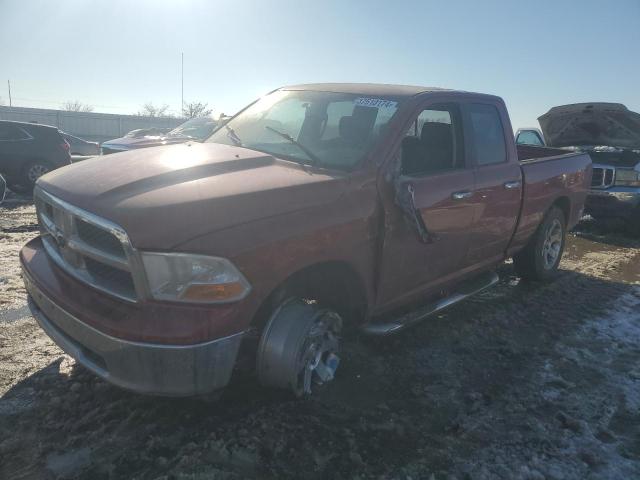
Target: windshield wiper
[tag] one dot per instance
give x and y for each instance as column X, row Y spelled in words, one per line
column 312, row 156
column 233, row 135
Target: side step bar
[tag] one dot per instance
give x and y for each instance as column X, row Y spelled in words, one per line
column 466, row 289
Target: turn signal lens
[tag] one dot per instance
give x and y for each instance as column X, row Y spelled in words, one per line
column 213, row 293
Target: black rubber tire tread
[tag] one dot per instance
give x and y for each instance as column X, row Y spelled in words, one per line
column 24, row 179
column 528, row 262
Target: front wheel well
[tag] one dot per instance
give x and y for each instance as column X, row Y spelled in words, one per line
column 334, row 284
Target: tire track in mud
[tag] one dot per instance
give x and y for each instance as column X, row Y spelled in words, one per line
column 522, row 381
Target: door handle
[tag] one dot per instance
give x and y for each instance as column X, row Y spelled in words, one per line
column 512, row 185
column 461, row 195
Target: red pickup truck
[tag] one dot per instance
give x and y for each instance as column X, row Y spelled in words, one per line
column 316, row 209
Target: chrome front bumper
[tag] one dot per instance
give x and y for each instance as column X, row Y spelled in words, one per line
column 172, row 370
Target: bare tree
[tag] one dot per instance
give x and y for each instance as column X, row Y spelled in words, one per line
column 151, row 110
column 195, row 109
column 77, row 106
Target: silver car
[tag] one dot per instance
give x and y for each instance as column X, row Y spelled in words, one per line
column 78, row 146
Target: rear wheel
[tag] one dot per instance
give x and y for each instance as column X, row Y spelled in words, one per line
column 33, row 171
column 539, row 260
column 299, row 347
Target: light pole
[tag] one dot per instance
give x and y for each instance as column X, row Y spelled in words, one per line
column 182, row 84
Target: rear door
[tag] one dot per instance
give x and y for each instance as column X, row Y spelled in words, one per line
column 498, row 180
column 436, row 184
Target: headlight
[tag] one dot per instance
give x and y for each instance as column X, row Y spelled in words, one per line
column 193, row 278
column 627, row 178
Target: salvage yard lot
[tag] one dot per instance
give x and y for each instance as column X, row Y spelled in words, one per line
column 526, row 381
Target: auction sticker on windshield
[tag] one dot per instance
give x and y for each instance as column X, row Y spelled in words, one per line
column 375, row 102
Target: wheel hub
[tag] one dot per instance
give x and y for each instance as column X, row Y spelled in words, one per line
column 299, row 347
column 36, row 171
column 552, row 244
column 320, row 361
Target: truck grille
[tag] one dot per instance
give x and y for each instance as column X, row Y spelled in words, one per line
column 87, row 247
column 602, row 177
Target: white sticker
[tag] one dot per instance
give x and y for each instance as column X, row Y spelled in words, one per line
column 375, row 103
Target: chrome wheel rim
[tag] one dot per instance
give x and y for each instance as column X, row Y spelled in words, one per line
column 319, row 359
column 36, row 171
column 552, row 244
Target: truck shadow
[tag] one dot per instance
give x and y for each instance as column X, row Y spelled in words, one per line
column 16, row 199
column 395, row 401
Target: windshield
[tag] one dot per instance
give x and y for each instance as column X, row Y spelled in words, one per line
column 332, row 130
column 134, row 134
column 197, row 128
column 147, row 132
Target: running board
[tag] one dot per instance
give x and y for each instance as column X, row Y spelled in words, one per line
column 466, row 289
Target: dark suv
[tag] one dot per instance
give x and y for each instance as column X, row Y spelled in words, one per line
column 29, row 150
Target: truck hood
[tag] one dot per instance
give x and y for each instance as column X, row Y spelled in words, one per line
column 606, row 124
column 168, row 195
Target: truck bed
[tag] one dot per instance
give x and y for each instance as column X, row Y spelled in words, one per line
column 550, row 175
column 532, row 152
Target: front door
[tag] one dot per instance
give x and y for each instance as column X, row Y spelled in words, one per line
column 427, row 225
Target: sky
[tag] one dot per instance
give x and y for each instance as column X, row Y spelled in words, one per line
column 117, row 55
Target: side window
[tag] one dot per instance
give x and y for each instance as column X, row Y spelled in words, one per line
column 529, row 137
column 5, row 133
column 487, row 134
column 10, row 132
column 434, row 142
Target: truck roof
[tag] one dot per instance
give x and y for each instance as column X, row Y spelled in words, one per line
column 365, row 88
column 381, row 89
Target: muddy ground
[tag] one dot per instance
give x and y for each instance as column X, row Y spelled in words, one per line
column 525, row 381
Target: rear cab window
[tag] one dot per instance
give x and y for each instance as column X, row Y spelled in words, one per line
column 487, row 134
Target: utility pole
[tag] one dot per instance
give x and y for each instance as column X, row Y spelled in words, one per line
column 182, row 85
column 9, row 85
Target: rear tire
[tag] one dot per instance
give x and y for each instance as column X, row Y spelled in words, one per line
column 539, row 260
column 33, row 171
